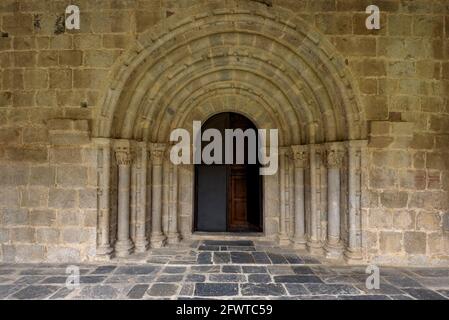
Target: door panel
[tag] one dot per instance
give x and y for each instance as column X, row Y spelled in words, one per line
column 211, row 198
column 228, row 197
column 238, row 217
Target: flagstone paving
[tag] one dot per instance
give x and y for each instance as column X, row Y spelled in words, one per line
column 220, row 270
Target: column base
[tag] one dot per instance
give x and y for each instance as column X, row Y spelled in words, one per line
column 352, row 256
column 333, row 251
column 142, row 245
column 123, row 248
column 157, row 240
column 104, row 253
column 104, row 250
column 284, row 240
column 315, row 247
column 300, row 243
column 173, row 238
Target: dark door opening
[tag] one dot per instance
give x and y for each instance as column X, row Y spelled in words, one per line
column 228, row 198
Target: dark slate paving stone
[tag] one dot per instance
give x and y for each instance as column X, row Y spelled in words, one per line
column 195, row 278
column 424, row 294
column 29, row 279
column 309, row 260
column 6, row 290
column 332, row 289
column 323, row 270
column 35, row 292
column 54, row 280
column 271, row 289
column 163, row 290
column 296, row 289
column 62, row 293
column 206, row 269
column 187, row 290
column 339, row 279
column 99, row 292
column 403, row 282
column 303, row 270
column 43, row 271
column 231, row 269
column 170, row 278
column 254, row 269
column 437, row 272
column 132, row 270
column 277, row 258
column 104, row 270
column 259, row 278
column 238, row 243
column 365, row 297
column 261, row 258
column 384, row 288
column 293, row 259
column 204, row 258
column 216, row 289
column 242, row 248
column 280, row 270
column 242, row 257
column 174, row 270
column 121, row 279
column 209, row 248
column 5, row 272
column 297, row 279
column 221, row 257
column 144, row 279
column 227, row 277
column 444, row 293
column 138, row 291
column 91, row 279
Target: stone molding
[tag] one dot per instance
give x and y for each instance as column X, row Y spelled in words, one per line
column 158, row 153
column 300, row 156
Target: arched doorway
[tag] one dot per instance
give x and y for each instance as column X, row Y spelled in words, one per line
column 268, row 64
column 228, row 197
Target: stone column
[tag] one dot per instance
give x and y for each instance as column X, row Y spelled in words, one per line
column 314, row 245
column 124, row 245
column 353, row 253
column 142, row 243
column 300, row 159
column 173, row 234
column 283, row 163
column 334, row 161
column 104, row 248
column 157, row 158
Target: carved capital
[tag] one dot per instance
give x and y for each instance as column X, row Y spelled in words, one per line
column 334, row 158
column 157, row 153
column 123, row 156
column 300, row 156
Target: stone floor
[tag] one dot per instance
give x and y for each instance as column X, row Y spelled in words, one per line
column 220, row 270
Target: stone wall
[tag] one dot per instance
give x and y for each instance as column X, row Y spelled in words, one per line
column 52, row 83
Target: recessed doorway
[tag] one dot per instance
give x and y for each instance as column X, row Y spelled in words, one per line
column 228, row 197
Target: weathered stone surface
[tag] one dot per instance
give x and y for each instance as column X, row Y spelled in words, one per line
column 58, row 90
column 415, row 242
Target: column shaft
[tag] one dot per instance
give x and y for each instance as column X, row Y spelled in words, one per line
column 300, row 158
column 353, row 253
column 157, row 236
column 124, row 245
column 141, row 205
column 104, row 179
column 283, row 237
column 313, row 244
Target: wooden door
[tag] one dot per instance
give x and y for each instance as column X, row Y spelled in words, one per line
column 238, row 198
